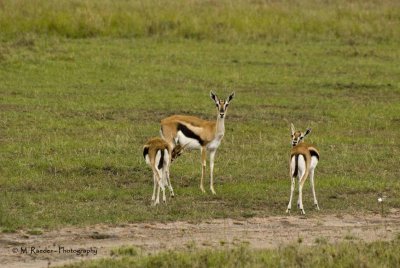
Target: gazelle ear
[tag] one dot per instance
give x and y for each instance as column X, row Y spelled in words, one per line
column 230, row 97
column 308, row 131
column 292, row 128
column 214, row 97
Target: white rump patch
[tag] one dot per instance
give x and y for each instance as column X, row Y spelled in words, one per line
column 314, row 162
column 293, row 165
column 147, row 159
column 158, row 157
column 301, row 165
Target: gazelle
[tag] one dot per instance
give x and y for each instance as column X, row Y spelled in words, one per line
column 303, row 160
column 158, row 155
column 198, row 134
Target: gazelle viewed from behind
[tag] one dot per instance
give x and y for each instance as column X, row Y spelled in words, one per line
column 158, row 155
column 303, row 160
column 198, row 134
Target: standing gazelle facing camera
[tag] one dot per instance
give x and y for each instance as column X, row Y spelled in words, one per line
column 198, row 134
column 158, row 155
column 303, row 160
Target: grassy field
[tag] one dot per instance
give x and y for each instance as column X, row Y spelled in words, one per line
column 222, row 20
column 345, row 254
column 75, row 111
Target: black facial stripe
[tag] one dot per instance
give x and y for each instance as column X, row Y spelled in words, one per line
column 190, row 134
column 161, row 163
column 145, row 152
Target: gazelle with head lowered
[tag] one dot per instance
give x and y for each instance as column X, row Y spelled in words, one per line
column 303, row 160
column 158, row 155
column 198, row 134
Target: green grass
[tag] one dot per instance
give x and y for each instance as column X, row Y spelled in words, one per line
column 345, row 254
column 221, row 20
column 74, row 114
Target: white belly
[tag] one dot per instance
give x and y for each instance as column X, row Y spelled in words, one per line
column 189, row 143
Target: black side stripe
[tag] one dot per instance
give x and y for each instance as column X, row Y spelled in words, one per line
column 296, row 165
column 161, row 163
column 314, row 153
column 145, row 152
column 190, row 134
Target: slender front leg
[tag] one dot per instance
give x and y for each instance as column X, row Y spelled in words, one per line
column 212, row 155
column 203, row 167
column 289, row 207
column 313, row 189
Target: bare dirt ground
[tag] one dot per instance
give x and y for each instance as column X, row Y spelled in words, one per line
column 270, row 232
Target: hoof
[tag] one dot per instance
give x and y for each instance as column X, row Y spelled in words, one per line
column 288, row 210
column 316, row 207
column 303, row 212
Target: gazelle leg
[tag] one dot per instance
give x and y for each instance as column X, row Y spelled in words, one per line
column 289, row 207
column 162, row 185
column 313, row 189
column 159, row 185
column 301, row 184
column 153, row 197
column 158, row 195
column 167, row 181
column 157, row 200
column 171, row 190
column 300, row 202
column 203, row 167
column 212, row 155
